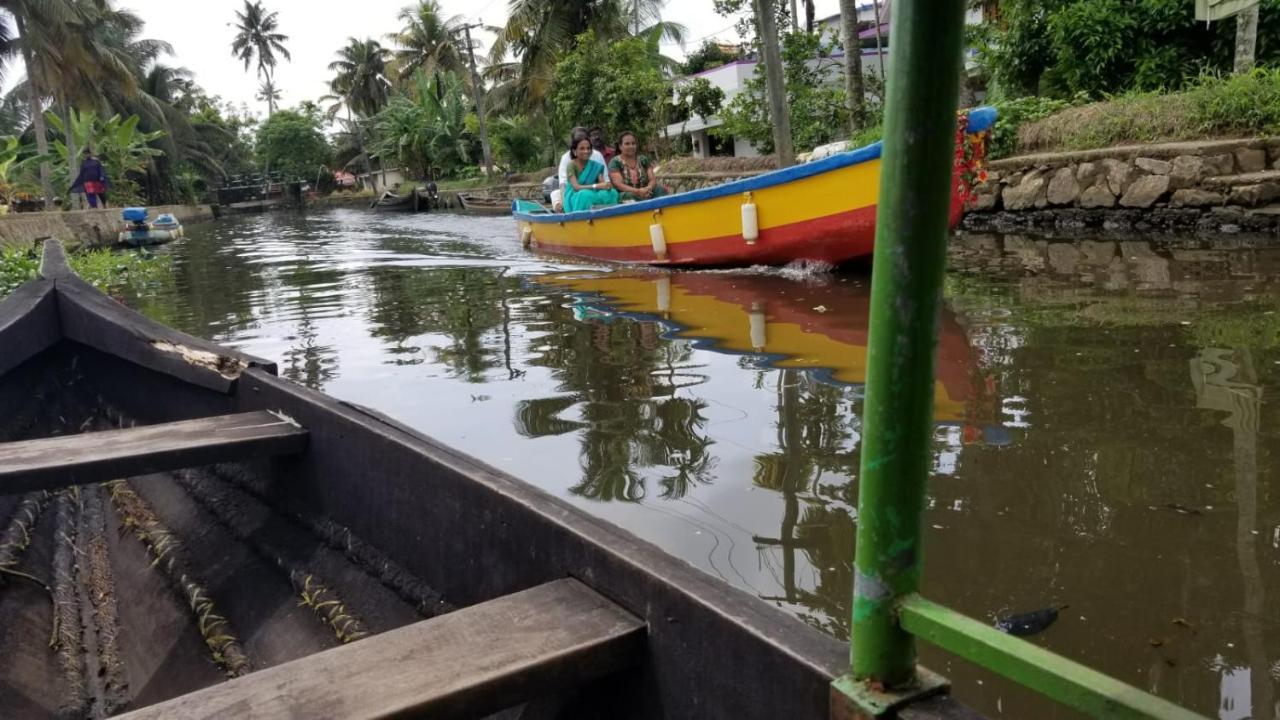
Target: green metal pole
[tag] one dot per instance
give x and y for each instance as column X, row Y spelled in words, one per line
column 906, row 294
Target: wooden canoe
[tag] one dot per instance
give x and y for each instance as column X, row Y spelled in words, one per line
column 215, row 541
column 389, row 201
column 484, row 205
column 822, row 211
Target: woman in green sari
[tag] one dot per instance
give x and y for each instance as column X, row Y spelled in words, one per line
column 588, row 185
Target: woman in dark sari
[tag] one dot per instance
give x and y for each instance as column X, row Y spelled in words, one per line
column 630, row 172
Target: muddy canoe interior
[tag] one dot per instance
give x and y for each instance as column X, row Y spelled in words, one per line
column 183, row 534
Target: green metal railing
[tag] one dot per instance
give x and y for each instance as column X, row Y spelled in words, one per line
column 906, row 295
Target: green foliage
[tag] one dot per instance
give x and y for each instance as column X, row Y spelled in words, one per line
column 814, row 98
column 710, row 55
column 1012, row 114
column 1097, row 47
column 518, row 143
column 17, row 168
column 16, row 267
column 123, row 149
column 104, row 269
column 701, row 97
column 231, row 134
column 613, row 85
column 426, row 128
column 1215, row 106
column 291, row 142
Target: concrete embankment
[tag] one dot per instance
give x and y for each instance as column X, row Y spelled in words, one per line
column 1219, row 186
column 94, row 228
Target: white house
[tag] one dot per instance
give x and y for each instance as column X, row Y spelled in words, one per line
column 732, row 78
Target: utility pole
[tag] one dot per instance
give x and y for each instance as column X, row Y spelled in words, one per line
column 767, row 22
column 478, row 87
column 854, row 95
column 1246, row 38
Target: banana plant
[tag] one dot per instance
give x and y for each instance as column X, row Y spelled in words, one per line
column 18, row 175
column 117, row 141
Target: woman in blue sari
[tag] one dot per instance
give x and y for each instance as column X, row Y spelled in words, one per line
column 589, row 185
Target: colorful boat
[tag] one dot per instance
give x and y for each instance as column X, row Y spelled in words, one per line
column 137, row 232
column 781, row 323
column 822, row 211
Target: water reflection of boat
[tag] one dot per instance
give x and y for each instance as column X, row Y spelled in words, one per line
column 817, row 326
column 321, row 523
column 824, row 210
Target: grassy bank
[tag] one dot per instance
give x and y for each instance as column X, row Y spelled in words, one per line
column 1214, row 107
column 104, row 269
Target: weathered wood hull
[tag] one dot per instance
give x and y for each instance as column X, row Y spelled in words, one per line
column 393, row 525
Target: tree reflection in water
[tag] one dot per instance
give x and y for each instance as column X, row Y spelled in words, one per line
column 623, row 380
column 464, row 305
column 815, row 431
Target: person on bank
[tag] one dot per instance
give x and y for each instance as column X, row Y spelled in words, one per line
column 557, row 196
column 589, row 184
column 630, row 171
column 92, row 180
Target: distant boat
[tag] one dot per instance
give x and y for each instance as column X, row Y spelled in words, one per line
column 389, row 201
column 823, row 210
column 484, row 205
column 137, row 232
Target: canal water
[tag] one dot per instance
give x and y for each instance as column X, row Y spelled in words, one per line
column 1105, row 437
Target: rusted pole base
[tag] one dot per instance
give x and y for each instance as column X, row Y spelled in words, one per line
column 861, row 700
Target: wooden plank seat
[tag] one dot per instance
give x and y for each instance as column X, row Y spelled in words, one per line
column 468, row 663
column 66, row 460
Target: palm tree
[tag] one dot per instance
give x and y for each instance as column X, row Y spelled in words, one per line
column 361, row 84
column 540, row 32
column 40, row 26
column 427, row 41
column 77, row 53
column 268, row 93
column 361, row 75
column 257, row 36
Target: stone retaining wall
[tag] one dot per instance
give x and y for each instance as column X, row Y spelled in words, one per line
column 1221, row 185
column 94, row 228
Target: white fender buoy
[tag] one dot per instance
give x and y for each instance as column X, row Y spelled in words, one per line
column 526, row 235
column 664, row 295
column 658, row 238
column 757, row 320
column 750, row 222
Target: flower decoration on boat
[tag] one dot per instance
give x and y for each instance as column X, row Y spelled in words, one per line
column 970, row 158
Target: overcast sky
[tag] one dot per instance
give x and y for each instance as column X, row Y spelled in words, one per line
column 201, row 31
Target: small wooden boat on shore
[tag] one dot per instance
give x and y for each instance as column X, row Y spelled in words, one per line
column 390, row 201
column 206, row 540
column 482, row 205
column 823, row 211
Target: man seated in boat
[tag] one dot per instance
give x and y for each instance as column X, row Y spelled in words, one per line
column 596, row 134
column 631, row 173
column 557, row 196
column 589, row 184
